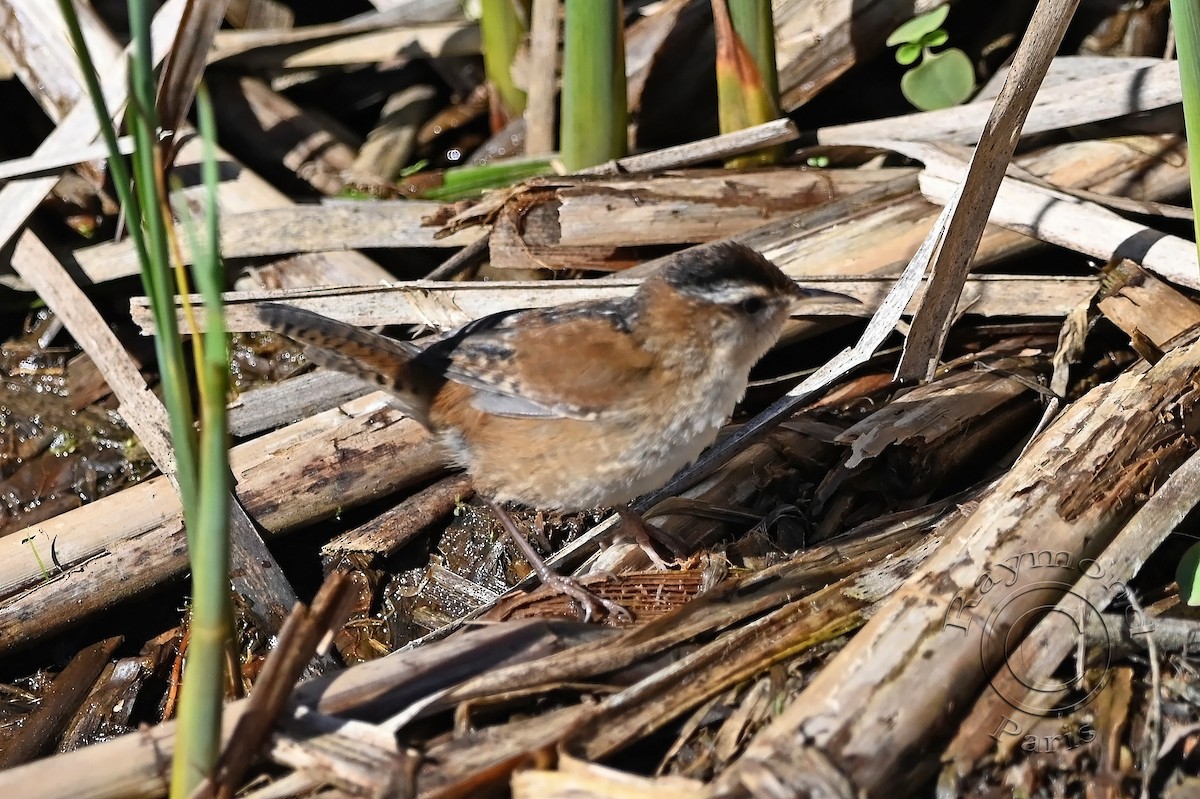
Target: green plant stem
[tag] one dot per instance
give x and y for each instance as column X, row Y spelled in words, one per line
column 594, row 116
column 1186, row 14
column 156, row 278
column 211, row 623
column 201, row 464
column 131, row 191
column 754, row 24
column 747, row 81
column 470, row 181
column 502, row 29
column 117, row 163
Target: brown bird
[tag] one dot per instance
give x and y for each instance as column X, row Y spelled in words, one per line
column 582, row 405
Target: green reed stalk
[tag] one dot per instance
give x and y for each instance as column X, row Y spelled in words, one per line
column 747, row 80
column 594, row 123
column 201, row 460
column 1186, row 16
column 503, row 25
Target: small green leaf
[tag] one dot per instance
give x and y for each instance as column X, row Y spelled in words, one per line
column 471, row 181
column 1187, row 575
column 935, row 39
column 916, row 28
column 413, row 169
column 908, row 53
column 940, row 81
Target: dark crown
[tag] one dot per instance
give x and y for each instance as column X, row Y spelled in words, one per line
column 703, row 270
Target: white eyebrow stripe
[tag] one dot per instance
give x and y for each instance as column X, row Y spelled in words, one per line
column 727, row 292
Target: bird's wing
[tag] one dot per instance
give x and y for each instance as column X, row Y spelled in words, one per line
column 572, row 361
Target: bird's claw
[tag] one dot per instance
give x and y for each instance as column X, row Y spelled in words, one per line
column 588, row 600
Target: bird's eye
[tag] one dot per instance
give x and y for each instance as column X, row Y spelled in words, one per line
column 752, row 305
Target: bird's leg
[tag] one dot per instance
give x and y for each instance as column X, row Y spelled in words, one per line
column 645, row 534
column 564, row 585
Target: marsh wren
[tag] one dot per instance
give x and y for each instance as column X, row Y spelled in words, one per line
column 582, row 405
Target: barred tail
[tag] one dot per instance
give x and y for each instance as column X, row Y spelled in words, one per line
column 346, row 348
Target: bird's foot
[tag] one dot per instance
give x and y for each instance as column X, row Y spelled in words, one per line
column 645, row 534
column 591, row 604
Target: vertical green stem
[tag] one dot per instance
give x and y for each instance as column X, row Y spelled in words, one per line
column 502, row 27
column 203, row 686
column 1186, row 15
column 122, row 182
column 594, row 114
column 747, row 80
column 201, row 463
column 754, row 24
column 156, row 275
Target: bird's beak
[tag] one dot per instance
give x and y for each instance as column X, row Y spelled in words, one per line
column 805, row 295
